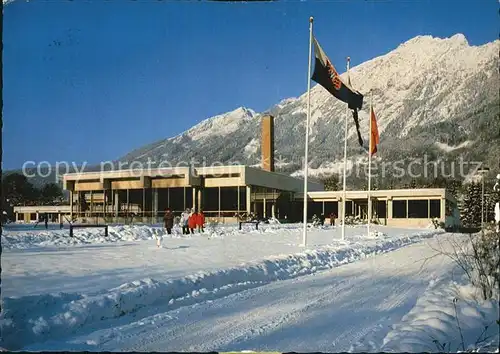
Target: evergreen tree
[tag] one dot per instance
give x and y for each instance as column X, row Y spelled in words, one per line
column 438, row 182
column 375, row 183
column 51, row 193
column 331, row 183
column 18, row 190
column 490, row 199
column 470, row 205
column 454, row 186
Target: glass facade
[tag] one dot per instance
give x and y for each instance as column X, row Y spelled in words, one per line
column 226, row 201
column 399, row 209
column 418, row 208
column 435, row 208
column 380, row 208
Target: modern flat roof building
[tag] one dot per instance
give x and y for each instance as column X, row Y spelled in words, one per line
column 222, row 192
column 394, row 207
column 32, row 214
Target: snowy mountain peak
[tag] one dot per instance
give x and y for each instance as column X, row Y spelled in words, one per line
column 418, row 40
column 460, row 39
column 241, row 111
column 287, row 101
column 428, row 40
column 428, row 90
column 222, row 124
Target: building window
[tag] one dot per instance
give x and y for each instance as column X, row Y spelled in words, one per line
column 285, row 206
column 243, row 198
column 188, row 192
column 418, row 209
column 348, row 208
column 135, row 201
column 161, row 199
column 20, row 217
column 261, row 193
column 399, row 209
column 380, row 208
column 222, row 175
column 314, row 208
column 331, row 207
column 210, row 199
column 176, row 199
column 435, row 206
column 33, row 217
column 229, row 198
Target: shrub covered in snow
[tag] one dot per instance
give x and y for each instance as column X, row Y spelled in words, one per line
column 479, row 257
column 449, row 317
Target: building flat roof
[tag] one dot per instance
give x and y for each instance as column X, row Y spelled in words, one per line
column 415, row 193
column 42, row 209
column 214, row 176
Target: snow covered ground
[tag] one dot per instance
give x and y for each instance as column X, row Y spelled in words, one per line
column 38, row 262
column 227, row 290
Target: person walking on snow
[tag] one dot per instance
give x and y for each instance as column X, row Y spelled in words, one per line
column 168, row 220
column 332, row 219
column 200, row 222
column 184, row 221
column 193, row 220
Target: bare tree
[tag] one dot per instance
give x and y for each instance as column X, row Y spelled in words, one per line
column 479, row 257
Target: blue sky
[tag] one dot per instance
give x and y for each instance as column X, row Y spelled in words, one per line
column 92, row 80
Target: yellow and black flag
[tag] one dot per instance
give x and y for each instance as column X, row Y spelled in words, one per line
column 326, row 75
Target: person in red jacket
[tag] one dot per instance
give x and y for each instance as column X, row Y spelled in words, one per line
column 200, row 222
column 192, row 221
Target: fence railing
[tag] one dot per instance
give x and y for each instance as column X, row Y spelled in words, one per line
column 150, row 217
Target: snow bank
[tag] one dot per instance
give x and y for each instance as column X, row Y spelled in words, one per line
column 123, row 233
column 431, row 326
column 49, row 238
column 31, row 319
column 130, row 233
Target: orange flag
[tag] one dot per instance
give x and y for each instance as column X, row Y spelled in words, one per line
column 374, row 137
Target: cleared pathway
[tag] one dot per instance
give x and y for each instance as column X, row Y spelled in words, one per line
column 350, row 307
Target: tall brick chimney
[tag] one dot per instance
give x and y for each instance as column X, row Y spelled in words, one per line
column 267, row 143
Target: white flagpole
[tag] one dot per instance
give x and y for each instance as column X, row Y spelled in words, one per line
column 304, row 236
column 345, row 161
column 370, row 167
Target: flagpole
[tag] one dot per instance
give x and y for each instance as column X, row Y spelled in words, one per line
column 370, row 166
column 345, row 161
column 304, row 236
